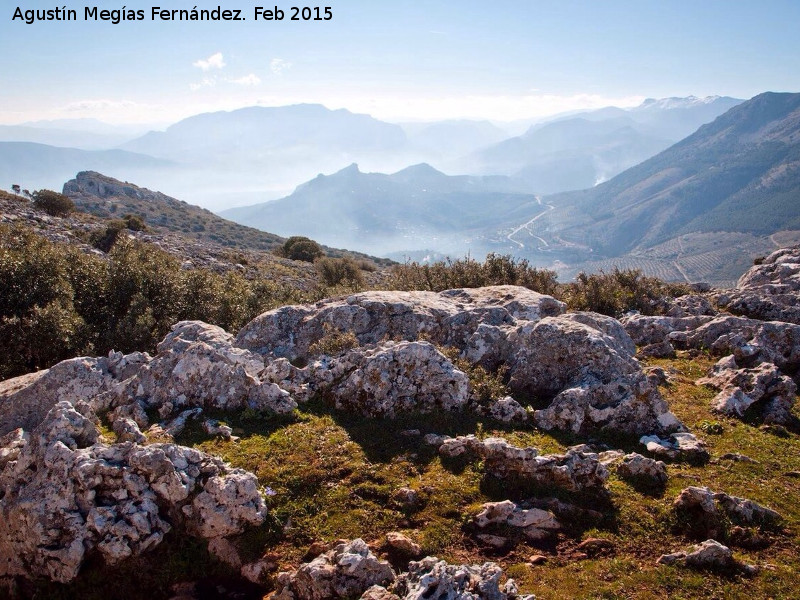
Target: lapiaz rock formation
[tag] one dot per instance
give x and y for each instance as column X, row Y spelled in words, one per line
column 65, row 492
column 760, row 350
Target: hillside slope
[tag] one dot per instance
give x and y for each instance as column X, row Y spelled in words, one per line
column 381, row 213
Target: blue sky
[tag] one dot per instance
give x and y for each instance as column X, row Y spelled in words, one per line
column 398, row 60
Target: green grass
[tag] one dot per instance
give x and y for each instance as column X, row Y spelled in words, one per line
column 335, row 474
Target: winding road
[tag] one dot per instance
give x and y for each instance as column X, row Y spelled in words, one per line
column 527, row 225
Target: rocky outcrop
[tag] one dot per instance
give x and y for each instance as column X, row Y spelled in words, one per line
column 64, row 494
column 638, row 468
column 710, row 556
column 769, row 291
column 574, row 471
column 197, row 366
column 434, row 578
column 464, row 318
column 580, row 366
column 591, row 379
column 346, row 571
column 533, row 523
column 24, row 401
column 677, row 447
column 761, row 386
column 705, row 513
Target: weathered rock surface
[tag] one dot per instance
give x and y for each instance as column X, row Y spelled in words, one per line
column 678, row 446
column 400, row 377
column 591, row 378
column 651, row 330
column 533, row 523
column 459, row 318
column 24, row 401
column 347, row 571
column 582, row 364
column 762, row 385
column 63, row 494
column 769, row 291
column 574, row 471
column 705, row 512
column 197, row 366
column 709, row 555
column 434, row 578
column 639, row 468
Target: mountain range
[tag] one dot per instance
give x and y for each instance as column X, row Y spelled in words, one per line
column 242, row 157
column 407, row 210
column 697, row 210
column 584, row 150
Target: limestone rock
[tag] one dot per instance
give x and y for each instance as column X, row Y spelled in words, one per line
column 581, row 362
column 705, row 512
column 762, row 385
column 650, row 330
column 346, row 571
column 378, row 592
column 400, row 377
column 25, row 400
column 64, row 495
column 508, row 410
column 534, row 523
column 637, row 467
column 198, row 367
column 449, row 318
column 709, row 555
column 434, row 578
column 592, row 377
column 574, row 471
column 678, row 446
column 128, row 431
column 769, row 291
column 690, row 305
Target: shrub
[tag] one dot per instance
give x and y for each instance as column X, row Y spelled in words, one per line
column 340, row 271
column 134, row 222
column 468, row 273
column 301, row 248
column 620, row 291
column 53, row 203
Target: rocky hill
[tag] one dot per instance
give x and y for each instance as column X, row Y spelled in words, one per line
column 522, row 450
column 382, row 214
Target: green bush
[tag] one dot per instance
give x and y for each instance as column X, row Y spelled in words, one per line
column 57, row 302
column 53, row 203
column 620, row 291
column 301, row 248
column 469, row 273
column 340, row 271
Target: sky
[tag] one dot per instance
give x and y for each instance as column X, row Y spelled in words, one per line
column 396, row 60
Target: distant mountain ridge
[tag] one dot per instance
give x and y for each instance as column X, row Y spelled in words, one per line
column 36, row 166
column 739, row 173
column 381, row 213
column 585, row 149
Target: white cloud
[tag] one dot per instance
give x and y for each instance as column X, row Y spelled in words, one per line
column 251, row 79
column 206, row 82
column 278, row 66
column 215, row 61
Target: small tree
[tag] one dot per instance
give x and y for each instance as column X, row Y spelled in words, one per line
column 53, row 203
column 299, row 247
column 16, row 189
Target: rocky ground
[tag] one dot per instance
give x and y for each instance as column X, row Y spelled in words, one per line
column 474, row 443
